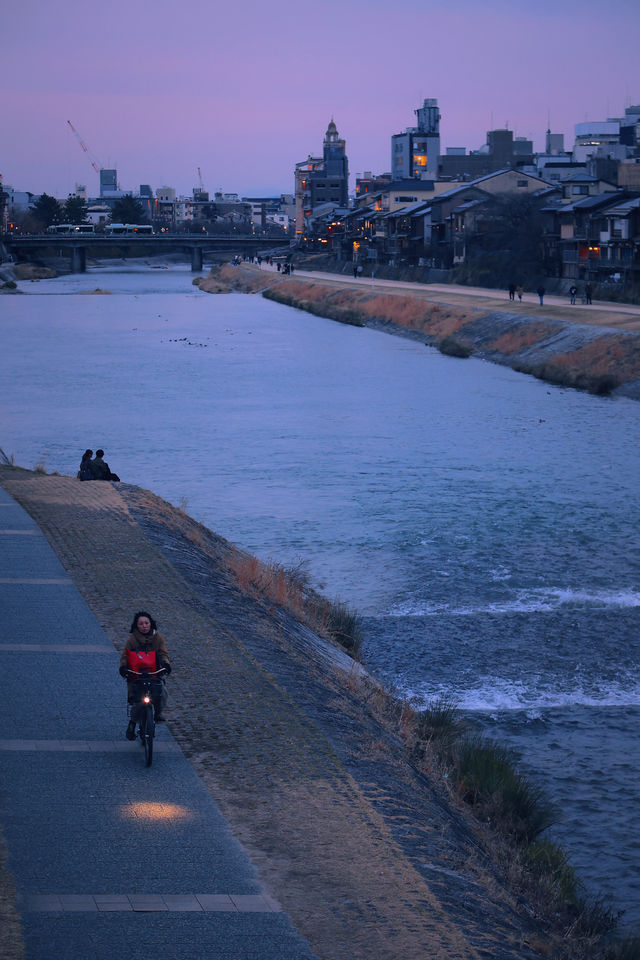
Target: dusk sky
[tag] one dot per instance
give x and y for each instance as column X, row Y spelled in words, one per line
column 245, row 89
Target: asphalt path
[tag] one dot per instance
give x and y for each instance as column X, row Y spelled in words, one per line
column 111, row 859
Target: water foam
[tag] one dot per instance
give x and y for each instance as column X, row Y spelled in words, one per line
column 496, row 695
column 525, row 601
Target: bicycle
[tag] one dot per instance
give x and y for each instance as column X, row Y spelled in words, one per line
column 147, row 691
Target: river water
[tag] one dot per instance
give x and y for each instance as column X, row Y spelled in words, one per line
column 484, row 523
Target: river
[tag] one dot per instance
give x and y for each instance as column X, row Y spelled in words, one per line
column 484, row 523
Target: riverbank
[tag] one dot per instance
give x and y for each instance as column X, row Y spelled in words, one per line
column 594, row 348
column 368, row 849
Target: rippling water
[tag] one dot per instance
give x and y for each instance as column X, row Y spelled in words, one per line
column 485, row 523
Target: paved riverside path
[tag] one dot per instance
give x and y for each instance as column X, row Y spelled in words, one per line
column 600, row 313
column 110, row 859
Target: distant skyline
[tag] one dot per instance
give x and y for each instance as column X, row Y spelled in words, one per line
column 245, row 91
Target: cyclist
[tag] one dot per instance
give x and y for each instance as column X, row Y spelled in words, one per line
column 145, row 649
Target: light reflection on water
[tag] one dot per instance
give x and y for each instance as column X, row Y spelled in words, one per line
column 485, row 523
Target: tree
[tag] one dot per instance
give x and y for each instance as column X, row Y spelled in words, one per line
column 75, row 210
column 509, row 246
column 127, row 210
column 46, row 210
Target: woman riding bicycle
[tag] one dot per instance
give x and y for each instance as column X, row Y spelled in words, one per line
column 144, row 651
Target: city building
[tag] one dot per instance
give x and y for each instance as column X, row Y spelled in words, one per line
column 109, row 184
column 368, row 183
column 415, row 152
column 320, row 180
column 501, row 150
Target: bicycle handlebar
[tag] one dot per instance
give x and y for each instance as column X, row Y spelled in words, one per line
column 145, row 673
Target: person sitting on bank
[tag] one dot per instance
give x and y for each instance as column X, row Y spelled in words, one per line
column 145, row 650
column 86, row 466
column 100, row 468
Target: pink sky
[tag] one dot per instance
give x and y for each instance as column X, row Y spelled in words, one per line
column 243, row 90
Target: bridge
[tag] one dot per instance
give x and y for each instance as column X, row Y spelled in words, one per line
column 77, row 248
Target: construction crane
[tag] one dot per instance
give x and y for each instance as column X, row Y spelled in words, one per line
column 92, row 160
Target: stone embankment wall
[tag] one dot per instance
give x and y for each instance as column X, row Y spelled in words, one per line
column 599, row 359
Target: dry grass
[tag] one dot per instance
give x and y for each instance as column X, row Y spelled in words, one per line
column 360, row 305
column 521, row 337
column 614, row 355
column 289, row 588
column 32, row 271
column 277, row 584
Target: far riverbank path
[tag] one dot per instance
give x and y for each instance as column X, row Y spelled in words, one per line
column 110, row 859
column 603, row 313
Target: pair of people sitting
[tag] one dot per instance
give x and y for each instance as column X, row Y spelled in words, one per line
column 96, row 469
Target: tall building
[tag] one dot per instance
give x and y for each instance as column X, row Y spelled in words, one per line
column 415, row 152
column 108, row 183
column 322, row 179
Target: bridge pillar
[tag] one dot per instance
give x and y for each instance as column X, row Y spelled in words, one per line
column 78, row 260
column 196, row 259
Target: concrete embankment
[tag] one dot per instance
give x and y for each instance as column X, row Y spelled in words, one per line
column 594, row 348
column 368, row 850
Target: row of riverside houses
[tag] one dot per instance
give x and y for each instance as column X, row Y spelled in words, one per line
column 584, row 206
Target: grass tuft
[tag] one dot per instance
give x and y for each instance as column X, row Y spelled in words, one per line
column 454, row 348
column 486, row 777
column 438, row 727
column 550, row 865
column 345, row 626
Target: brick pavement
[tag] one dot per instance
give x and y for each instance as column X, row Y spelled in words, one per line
column 362, row 853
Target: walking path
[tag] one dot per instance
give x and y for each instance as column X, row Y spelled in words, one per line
column 110, row 858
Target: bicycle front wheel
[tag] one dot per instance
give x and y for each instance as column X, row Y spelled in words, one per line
column 147, row 730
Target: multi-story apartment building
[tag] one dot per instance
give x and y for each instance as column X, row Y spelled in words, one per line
column 415, row 152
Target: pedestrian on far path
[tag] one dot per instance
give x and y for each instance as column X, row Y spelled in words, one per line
column 573, row 292
column 541, row 291
column 588, row 291
column 520, row 291
column 512, row 291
